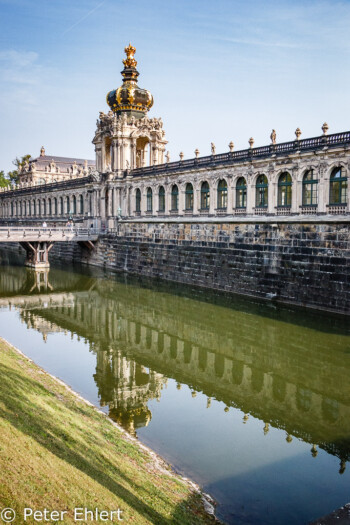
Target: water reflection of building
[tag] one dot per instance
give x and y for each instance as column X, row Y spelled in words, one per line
column 275, row 367
column 126, row 386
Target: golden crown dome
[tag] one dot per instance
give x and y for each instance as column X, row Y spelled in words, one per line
column 129, row 97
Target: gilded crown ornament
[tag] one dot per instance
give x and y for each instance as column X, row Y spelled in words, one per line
column 129, row 99
column 129, row 61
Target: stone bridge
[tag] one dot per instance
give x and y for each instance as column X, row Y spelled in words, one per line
column 38, row 241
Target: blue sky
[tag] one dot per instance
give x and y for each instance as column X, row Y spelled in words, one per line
column 218, row 71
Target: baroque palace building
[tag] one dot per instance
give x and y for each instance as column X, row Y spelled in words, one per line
column 132, row 176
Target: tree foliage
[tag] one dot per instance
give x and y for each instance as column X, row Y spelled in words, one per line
column 13, row 176
column 4, row 181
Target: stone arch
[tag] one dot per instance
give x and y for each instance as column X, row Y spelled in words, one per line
column 143, row 151
column 238, row 176
column 149, row 199
column 335, row 165
column 276, row 176
column 74, row 204
column 305, row 169
column 81, row 204
column 67, row 204
column 137, row 197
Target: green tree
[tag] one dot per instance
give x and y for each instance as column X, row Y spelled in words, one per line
column 19, row 163
column 4, row 181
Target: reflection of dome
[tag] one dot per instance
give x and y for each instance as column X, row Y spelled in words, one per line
column 129, row 97
column 131, row 419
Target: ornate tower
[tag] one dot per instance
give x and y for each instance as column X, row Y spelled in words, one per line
column 125, row 137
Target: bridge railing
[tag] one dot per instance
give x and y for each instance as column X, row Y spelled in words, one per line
column 27, row 231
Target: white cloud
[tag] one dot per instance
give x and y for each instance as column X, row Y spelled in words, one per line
column 18, row 59
column 22, row 77
column 20, row 68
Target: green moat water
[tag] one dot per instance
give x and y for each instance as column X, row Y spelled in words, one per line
column 250, row 400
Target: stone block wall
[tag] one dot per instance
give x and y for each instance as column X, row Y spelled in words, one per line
column 303, row 264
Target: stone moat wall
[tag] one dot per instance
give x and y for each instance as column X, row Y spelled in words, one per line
column 303, row 264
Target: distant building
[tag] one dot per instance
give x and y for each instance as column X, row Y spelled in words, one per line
column 47, row 168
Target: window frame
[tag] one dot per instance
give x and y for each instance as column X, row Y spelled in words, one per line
column 222, row 193
column 241, row 194
column 205, row 195
column 342, row 189
column 262, row 192
column 284, row 192
column 313, row 189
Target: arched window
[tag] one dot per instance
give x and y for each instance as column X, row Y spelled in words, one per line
column 55, row 206
column 261, row 192
column 205, row 196
column 149, row 200
column 68, row 210
column 44, row 207
column 138, row 201
column 338, row 185
column 39, row 208
column 74, row 205
column 20, row 209
column 61, row 206
column 241, row 193
column 82, row 204
column 34, row 208
column 174, row 198
column 12, row 209
column 29, row 209
column 189, row 196
column 285, row 190
column 222, row 194
column 50, row 207
column 309, row 189
column 161, row 199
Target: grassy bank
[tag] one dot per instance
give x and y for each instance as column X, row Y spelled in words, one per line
column 58, row 452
